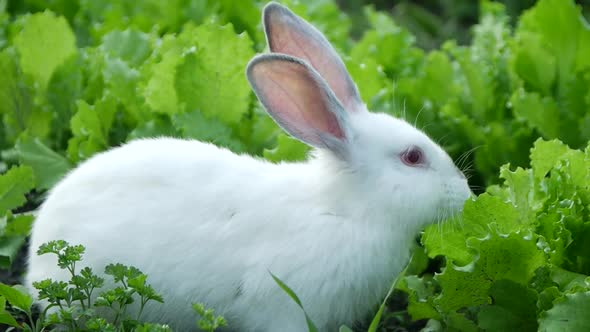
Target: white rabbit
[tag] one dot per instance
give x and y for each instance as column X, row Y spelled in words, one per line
column 207, row 225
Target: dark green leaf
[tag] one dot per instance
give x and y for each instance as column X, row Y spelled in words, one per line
column 48, row 166
column 570, row 313
column 9, row 248
column 14, row 184
column 17, row 296
column 5, row 316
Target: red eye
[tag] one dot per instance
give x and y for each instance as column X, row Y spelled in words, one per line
column 413, row 156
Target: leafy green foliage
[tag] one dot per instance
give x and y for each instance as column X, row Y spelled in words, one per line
column 287, row 149
column 74, row 306
column 208, row 321
column 517, row 258
column 568, row 314
column 5, row 317
column 79, row 77
column 47, row 165
column 496, row 95
column 14, row 184
column 74, row 298
column 145, row 67
column 16, row 296
column 44, row 43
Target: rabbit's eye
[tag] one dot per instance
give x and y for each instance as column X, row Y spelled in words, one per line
column 413, row 156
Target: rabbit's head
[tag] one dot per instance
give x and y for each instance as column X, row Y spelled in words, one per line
column 306, row 88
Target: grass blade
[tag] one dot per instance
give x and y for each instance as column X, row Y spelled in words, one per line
column 310, row 325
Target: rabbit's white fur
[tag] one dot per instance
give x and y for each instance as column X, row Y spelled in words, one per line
column 207, row 225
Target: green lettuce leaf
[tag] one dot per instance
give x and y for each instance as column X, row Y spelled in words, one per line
column 211, row 76
column 45, row 42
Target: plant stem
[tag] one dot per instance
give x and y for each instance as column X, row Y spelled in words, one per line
column 117, row 315
column 83, row 305
column 59, row 304
column 124, row 309
column 30, row 318
column 143, row 302
column 44, row 313
column 89, row 294
column 72, row 269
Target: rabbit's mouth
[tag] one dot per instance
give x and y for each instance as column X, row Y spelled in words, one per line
column 454, row 200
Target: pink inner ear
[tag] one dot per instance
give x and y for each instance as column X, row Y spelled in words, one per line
column 289, row 36
column 296, row 100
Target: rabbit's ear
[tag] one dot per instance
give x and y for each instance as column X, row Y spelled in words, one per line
column 289, row 34
column 299, row 100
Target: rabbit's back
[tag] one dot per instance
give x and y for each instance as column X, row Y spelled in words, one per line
column 203, row 223
column 123, row 191
column 166, row 206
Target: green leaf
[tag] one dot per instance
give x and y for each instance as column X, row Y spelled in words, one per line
column 533, row 63
column 548, row 154
column 287, row 149
column 70, row 255
column 449, row 239
column 545, row 155
column 377, row 318
column 395, row 44
column 44, row 43
column 131, row 45
column 543, row 19
column 14, row 184
column 5, row 317
column 541, row 113
column 211, row 78
column 310, row 325
column 52, row 247
column 64, row 87
column 513, row 308
column 567, row 280
column 143, row 289
column 207, row 320
column 435, row 84
column 101, row 325
column 459, row 322
column 17, row 296
column 19, row 225
column 122, row 272
column 47, row 165
column 150, row 327
column 369, row 77
column 53, row 291
column 90, row 128
column 155, row 127
column 17, row 106
column 244, row 17
column 547, row 297
column 121, row 81
column 195, row 125
column 9, row 248
column 420, row 302
column 469, row 286
column 521, row 192
column 570, row 313
column 344, row 328
column 160, row 70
